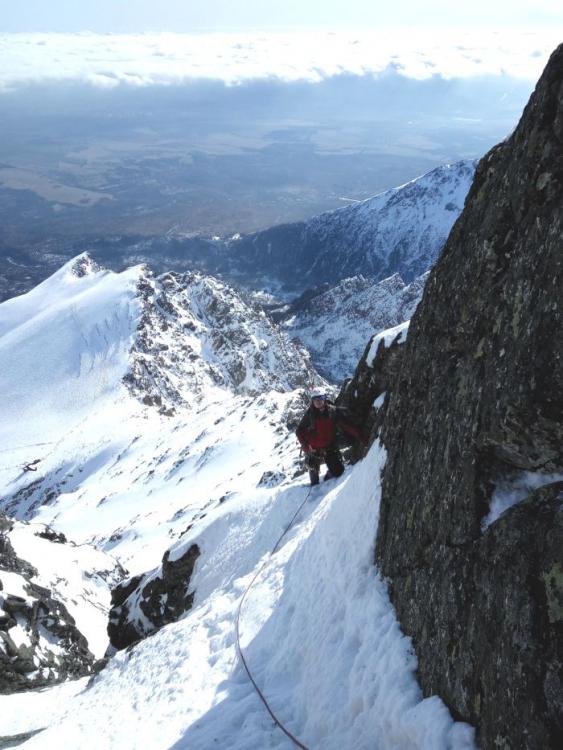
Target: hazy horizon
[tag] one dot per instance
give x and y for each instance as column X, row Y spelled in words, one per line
column 118, row 16
column 150, row 134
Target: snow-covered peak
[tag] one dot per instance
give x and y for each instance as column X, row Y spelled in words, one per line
column 64, row 348
column 400, row 230
column 64, row 285
column 198, row 336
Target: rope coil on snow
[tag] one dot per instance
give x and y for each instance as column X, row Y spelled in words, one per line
column 237, row 631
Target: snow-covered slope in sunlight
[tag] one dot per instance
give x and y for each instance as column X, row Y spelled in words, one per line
column 64, row 347
column 133, row 490
column 143, row 400
column 337, row 324
column 317, row 630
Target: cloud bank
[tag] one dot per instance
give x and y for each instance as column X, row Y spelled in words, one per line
column 111, row 60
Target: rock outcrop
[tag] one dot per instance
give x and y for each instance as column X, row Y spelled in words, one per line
column 365, row 396
column 143, row 604
column 476, row 404
column 39, row 642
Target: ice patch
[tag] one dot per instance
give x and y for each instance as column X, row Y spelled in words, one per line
column 510, row 493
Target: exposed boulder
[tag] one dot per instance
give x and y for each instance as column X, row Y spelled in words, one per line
column 143, row 604
column 477, row 401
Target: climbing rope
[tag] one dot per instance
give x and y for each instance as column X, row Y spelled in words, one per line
column 237, row 630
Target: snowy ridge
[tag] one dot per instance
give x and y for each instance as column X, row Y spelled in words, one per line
column 401, row 229
column 64, row 348
column 336, row 325
column 398, row 231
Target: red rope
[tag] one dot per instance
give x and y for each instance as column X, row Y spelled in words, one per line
column 237, row 629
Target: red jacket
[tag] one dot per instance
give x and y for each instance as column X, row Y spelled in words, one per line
column 317, row 429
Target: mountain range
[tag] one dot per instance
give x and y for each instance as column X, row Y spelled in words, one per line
column 147, row 427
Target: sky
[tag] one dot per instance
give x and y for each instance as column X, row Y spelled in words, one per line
column 132, row 16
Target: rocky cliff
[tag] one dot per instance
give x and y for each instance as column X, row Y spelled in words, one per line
column 474, row 411
column 196, row 333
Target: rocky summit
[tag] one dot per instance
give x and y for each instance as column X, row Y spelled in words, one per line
column 471, row 527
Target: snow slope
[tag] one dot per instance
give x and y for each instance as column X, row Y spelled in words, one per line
column 318, row 632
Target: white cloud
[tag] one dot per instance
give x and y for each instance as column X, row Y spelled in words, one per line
column 107, row 60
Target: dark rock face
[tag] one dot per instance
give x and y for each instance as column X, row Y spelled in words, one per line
column 477, row 402
column 53, row 649
column 142, row 605
column 371, row 381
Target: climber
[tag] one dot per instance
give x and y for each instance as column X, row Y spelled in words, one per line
column 317, row 434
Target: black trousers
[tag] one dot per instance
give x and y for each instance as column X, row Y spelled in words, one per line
column 331, row 456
